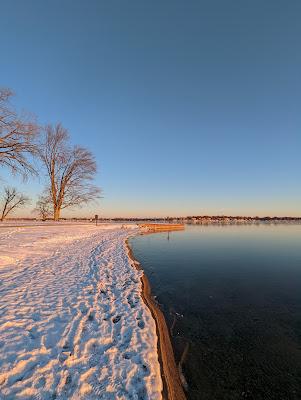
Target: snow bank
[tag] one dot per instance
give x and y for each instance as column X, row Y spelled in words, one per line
column 72, row 321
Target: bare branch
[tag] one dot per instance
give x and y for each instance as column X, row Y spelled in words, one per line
column 69, row 170
column 43, row 207
column 17, row 134
column 11, row 200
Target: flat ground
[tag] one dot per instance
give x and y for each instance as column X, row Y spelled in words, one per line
column 72, row 322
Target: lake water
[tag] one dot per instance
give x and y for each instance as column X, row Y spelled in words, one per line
column 231, row 295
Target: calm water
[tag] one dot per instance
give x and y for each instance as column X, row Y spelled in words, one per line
column 233, row 295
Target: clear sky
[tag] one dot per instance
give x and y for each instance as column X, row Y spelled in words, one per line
column 191, row 107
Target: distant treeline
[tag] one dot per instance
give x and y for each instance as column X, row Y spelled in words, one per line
column 204, row 218
column 230, row 217
column 194, row 219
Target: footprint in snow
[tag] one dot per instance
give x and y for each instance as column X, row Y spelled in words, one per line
column 145, row 370
column 35, row 316
column 141, row 324
column 68, row 380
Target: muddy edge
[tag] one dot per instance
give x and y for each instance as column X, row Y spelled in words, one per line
column 172, row 387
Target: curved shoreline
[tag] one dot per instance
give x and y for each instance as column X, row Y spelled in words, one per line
column 172, row 386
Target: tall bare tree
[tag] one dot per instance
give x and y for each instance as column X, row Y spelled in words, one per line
column 11, row 200
column 70, row 171
column 17, row 134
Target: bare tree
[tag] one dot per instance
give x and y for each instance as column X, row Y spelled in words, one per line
column 17, row 133
column 70, row 171
column 43, row 207
column 11, row 200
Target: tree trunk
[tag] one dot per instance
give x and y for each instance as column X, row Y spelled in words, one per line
column 3, row 212
column 3, row 215
column 56, row 214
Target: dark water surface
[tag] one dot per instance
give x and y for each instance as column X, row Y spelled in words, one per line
column 233, row 293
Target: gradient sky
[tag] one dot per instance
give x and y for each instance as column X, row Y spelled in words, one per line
column 191, row 107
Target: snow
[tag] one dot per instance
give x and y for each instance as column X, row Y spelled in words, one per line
column 73, row 324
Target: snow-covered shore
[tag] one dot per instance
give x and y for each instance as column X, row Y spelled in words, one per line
column 73, row 324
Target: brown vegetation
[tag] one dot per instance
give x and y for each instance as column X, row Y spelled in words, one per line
column 172, row 385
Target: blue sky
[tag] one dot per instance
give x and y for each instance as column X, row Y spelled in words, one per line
column 191, row 107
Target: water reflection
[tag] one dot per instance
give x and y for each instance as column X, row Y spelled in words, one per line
column 233, row 293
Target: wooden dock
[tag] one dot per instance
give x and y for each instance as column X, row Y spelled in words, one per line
column 162, row 227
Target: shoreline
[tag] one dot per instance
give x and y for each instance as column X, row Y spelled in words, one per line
column 172, row 386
